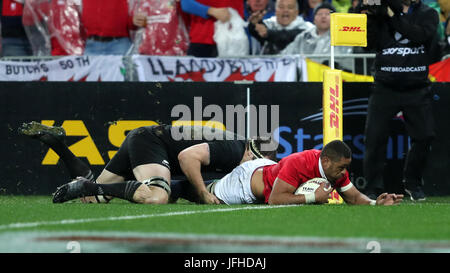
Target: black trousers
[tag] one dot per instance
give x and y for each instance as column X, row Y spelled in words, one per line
column 384, row 103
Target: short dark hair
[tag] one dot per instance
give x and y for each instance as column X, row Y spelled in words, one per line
column 254, row 145
column 335, row 150
column 324, row 5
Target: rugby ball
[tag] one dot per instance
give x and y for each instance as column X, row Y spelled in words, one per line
column 311, row 186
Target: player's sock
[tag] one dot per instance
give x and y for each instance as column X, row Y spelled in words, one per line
column 124, row 190
column 75, row 165
column 82, row 187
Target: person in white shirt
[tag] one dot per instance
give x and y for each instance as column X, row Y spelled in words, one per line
column 317, row 40
column 276, row 32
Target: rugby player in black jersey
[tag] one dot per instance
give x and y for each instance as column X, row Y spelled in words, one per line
column 142, row 169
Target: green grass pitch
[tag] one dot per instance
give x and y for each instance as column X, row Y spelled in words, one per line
column 33, row 224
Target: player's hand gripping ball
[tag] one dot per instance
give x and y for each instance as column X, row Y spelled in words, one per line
column 312, row 185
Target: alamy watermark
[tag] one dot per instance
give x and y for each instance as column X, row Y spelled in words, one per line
column 241, row 122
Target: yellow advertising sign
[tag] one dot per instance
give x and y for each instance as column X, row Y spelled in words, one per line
column 332, row 106
column 348, row 29
column 332, row 115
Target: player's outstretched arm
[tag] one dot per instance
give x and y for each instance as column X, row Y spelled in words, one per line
column 191, row 160
column 354, row 197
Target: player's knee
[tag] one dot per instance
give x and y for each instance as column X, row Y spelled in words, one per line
column 156, row 199
column 159, row 190
column 150, row 197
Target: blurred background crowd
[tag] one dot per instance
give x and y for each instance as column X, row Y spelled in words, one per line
column 178, row 28
column 183, row 27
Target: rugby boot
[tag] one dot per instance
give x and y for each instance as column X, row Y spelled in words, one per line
column 37, row 130
column 77, row 188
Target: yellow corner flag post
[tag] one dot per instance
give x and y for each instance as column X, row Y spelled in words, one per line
column 346, row 30
column 332, row 106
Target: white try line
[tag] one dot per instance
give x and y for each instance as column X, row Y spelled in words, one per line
column 131, row 217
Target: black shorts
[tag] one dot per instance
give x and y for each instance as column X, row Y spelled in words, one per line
column 141, row 146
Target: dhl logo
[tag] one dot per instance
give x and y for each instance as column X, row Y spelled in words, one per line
column 117, row 132
column 334, row 107
column 351, row 29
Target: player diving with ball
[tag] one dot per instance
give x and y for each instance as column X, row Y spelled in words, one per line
column 262, row 181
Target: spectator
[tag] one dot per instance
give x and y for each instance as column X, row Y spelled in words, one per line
column 14, row 38
column 53, row 27
column 445, row 9
column 316, row 40
column 402, row 33
column 202, row 15
column 308, row 9
column 161, row 29
column 107, row 24
column 355, row 6
column 276, row 32
column 446, row 50
column 255, row 12
column 34, row 14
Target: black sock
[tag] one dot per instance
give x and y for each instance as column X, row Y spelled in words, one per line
column 74, row 164
column 123, row 190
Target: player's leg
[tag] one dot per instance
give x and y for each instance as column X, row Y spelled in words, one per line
column 82, row 187
column 154, row 190
column 53, row 137
column 156, row 184
column 106, row 177
column 142, row 153
column 149, row 161
column 117, row 170
column 101, row 190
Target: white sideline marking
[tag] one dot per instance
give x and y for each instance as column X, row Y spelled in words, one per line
column 131, row 217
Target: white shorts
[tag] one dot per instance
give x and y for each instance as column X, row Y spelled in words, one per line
column 235, row 187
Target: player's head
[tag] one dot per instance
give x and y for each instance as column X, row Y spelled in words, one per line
column 253, row 150
column 335, row 157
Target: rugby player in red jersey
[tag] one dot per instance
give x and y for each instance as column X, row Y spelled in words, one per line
column 261, row 181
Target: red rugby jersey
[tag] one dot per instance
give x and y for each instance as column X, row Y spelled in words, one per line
column 296, row 169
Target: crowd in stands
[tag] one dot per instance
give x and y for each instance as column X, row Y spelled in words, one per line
column 176, row 27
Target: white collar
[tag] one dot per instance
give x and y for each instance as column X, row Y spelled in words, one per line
column 322, row 173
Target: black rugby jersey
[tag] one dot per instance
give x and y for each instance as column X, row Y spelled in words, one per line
column 226, row 149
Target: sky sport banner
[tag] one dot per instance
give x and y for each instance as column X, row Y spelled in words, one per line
column 71, row 69
column 174, row 69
